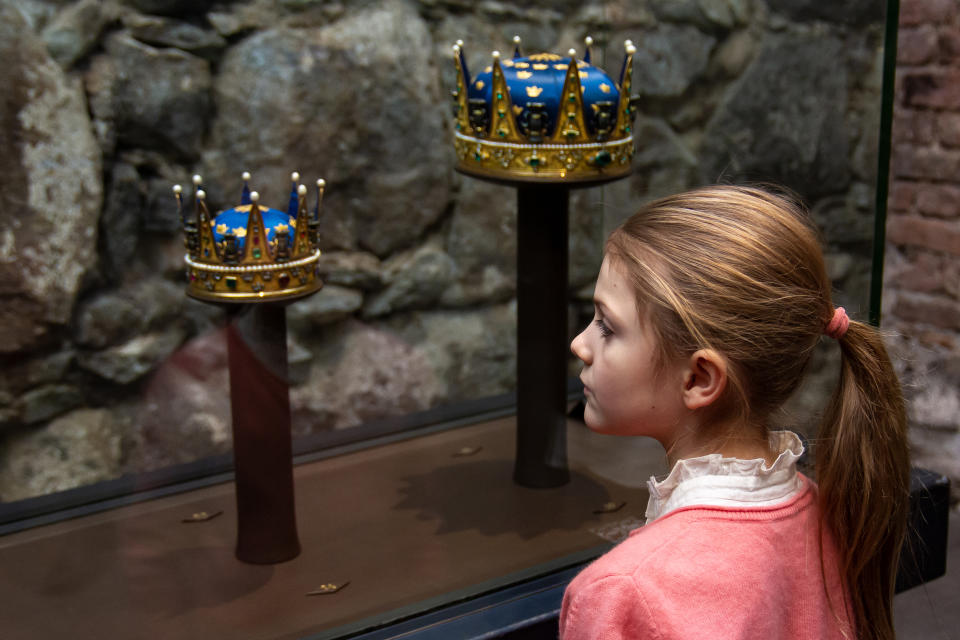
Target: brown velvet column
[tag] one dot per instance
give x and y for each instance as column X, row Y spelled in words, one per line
column 262, row 453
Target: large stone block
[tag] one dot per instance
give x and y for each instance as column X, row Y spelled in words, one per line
column 161, row 98
column 79, row 448
column 847, row 12
column 183, row 411
column 384, row 375
column 75, row 30
column 356, row 102
column 784, row 120
column 670, row 59
column 50, row 188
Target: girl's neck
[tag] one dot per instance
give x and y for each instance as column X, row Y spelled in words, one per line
column 744, row 443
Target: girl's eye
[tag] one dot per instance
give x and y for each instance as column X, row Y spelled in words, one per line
column 605, row 331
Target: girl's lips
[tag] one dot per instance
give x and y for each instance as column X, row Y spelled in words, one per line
column 586, row 389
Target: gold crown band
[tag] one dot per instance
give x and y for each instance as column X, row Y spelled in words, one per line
column 268, row 266
column 583, row 162
column 545, row 146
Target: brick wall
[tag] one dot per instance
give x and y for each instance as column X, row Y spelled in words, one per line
column 922, row 271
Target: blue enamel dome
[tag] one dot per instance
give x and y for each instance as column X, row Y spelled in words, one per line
column 539, row 78
column 235, row 221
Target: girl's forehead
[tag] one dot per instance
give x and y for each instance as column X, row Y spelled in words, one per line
column 614, row 291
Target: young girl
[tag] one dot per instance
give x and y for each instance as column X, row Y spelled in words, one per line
column 708, row 307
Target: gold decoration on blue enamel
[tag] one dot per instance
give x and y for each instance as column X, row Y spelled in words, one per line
column 251, row 252
column 544, row 118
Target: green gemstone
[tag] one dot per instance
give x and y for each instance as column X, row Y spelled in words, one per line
column 477, row 157
column 602, row 159
column 501, row 133
column 627, row 129
column 499, row 96
column 256, row 253
column 231, row 282
column 534, row 162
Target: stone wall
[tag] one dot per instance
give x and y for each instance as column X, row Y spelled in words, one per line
column 922, row 270
column 107, row 368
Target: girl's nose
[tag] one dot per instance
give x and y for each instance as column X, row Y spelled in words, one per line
column 579, row 346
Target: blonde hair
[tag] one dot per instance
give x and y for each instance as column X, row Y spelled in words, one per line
column 740, row 270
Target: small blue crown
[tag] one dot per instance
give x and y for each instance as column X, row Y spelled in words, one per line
column 250, row 252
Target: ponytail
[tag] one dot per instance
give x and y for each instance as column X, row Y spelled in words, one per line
column 863, row 472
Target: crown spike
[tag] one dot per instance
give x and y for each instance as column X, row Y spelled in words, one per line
column 321, row 183
column 304, row 227
column 588, row 41
column 206, row 245
column 256, row 235
column 460, row 94
column 461, row 61
column 501, row 122
column 516, row 47
column 178, row 195
column 294, row 202
column 245, row 193
column 626, row 110
column 571, row 127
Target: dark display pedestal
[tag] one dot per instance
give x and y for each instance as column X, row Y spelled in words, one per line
column 542, row 340
column 542, row 224
column 263, row 458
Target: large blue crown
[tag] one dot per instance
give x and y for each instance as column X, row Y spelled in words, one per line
column 544, row 117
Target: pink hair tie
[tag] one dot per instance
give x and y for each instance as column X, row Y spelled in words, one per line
column 838, row 324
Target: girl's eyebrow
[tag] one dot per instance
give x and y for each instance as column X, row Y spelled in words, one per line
column 604, row 310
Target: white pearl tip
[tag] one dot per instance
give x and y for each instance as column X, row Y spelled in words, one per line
column 572, row 53
column 294, row 176
column 177, row 189
column 495, row 54
column 201, row 194
column 516, row 39
column 245, row 175
column 459, row 43
column 631, row 49
column 321, row 183
column 254, row 196
column 197, row 179
column 588, row 40
column 302, row 190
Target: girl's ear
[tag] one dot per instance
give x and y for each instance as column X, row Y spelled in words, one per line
column 705, row 379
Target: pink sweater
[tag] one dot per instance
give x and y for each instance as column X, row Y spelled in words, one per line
column 717, row 573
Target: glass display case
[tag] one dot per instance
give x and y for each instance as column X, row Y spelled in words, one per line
column 118, row 512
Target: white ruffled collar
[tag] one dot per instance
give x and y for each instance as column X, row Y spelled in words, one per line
column 713, row 480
